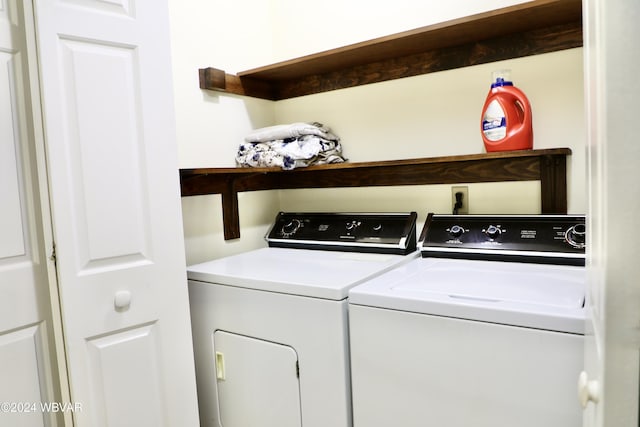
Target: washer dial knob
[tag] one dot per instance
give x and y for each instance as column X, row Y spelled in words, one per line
column 492, row 231
column 456, row 231
column 291, row 227
column 575, row 236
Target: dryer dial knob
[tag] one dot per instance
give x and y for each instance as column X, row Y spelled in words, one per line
column 350, row 226
column 291, row 227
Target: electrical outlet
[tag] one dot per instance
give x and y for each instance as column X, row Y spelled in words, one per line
column 464, row 209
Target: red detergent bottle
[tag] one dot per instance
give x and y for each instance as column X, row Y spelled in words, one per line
column 506, row 123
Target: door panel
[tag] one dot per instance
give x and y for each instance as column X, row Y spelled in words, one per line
column 26, row 366
column 140, row 403
column 113, row 177
column 123, row 7
column 109, row 228
column 19, row 353
column 11, row 224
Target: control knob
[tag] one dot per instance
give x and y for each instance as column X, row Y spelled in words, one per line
column 291, row 227
column 352, row 225
column 575, row 236
column 456, row 231
column 493, row 232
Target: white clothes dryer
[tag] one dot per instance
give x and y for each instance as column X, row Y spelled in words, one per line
column 270, row 326
column 485, row 329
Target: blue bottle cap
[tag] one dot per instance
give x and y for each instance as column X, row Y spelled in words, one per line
column 501, row 78
column 501, row 82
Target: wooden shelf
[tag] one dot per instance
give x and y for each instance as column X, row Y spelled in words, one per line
column 548, row 166
column 530, row 28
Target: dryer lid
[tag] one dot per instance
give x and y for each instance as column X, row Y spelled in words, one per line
column 314, row 273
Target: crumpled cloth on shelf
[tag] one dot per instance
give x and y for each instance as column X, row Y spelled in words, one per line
column 293, row 130
column 313, row 144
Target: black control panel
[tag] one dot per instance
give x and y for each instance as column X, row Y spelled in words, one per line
column 350, row 232
column 550, row 239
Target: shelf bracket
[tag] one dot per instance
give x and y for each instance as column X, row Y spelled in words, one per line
column 230, row 212
column 553, row 184
column 216, row 79
column 212, row 78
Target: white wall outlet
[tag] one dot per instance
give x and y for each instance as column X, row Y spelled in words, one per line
column 464, row 190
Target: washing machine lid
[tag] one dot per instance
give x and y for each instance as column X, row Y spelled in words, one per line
column 531, row 295
column 313, row 273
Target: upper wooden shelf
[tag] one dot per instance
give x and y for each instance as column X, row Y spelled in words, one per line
column 548, row 166
column 530, row 28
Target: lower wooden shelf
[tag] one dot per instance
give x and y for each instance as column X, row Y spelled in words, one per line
column 547, row 166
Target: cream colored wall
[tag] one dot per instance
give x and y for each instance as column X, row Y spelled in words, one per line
column 309, row 27
column 210, row 125
column 439, row 115
column 431, row 115
column 216, row 33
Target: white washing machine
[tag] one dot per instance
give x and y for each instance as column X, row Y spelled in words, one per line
column 485, row 329
column 270, row 326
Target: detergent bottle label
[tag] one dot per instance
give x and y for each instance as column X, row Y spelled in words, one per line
column 494, row 122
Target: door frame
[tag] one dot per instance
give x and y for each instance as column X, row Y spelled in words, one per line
column 57, row 344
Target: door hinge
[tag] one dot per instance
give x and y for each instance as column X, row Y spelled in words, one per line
column 53, row 254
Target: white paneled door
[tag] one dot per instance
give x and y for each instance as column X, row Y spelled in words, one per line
column 26, row 364
column 610, row 384
column 105, row 76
